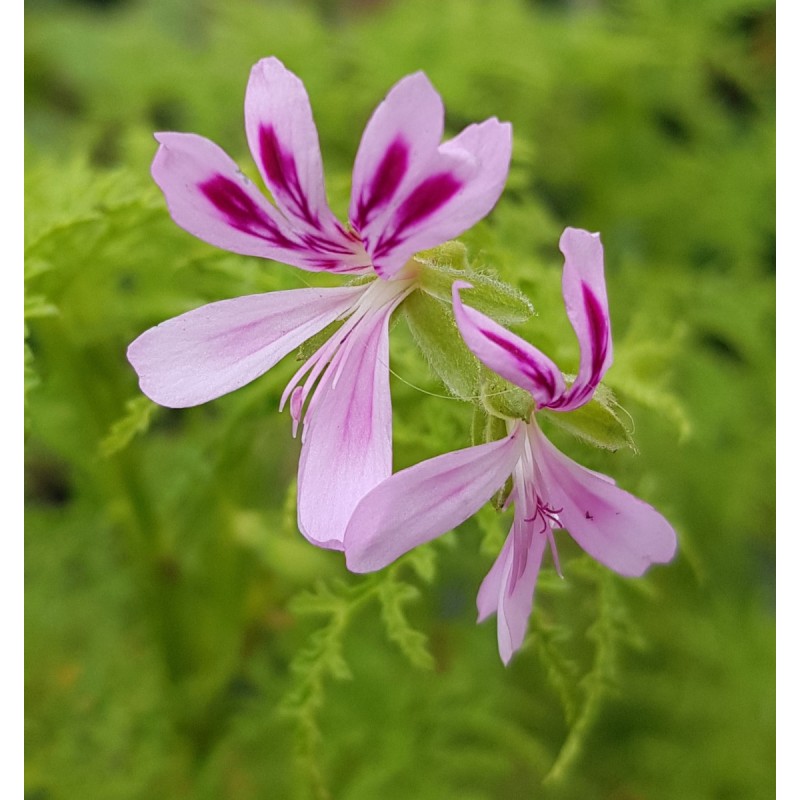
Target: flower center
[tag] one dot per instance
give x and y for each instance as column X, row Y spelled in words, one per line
column 324, row 368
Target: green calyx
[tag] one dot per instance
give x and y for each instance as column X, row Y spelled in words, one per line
column 602, row 422
column 447, row 263
column 429, row 314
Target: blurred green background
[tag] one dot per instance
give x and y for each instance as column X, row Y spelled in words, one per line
column 182, row 639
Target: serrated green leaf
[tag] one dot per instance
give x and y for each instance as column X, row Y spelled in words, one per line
column 137, row 420
column 323, row 600
column 394, row 595
column 423, row 561
column 32, row 379
column 434, row 329
column 601, row 422
column 37, row 306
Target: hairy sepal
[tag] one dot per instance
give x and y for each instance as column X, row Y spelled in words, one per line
column 601, row 422
column 498, row 300
column 501, row 398
column 434, row 330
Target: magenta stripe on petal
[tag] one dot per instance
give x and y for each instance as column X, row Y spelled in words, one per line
column 241, row 212
column 387, row 178
column 598, row 331
column 599, row 337
column 539, row 377
column 282, row 173
column 424, row 201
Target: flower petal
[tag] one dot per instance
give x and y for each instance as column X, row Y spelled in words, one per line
column 454, row 189
column 584, row 289
column 506, row 353
column 209, row 197
column 410, row 192
column 611, row 525
column 284, row 143
column 400, row 139
column 347, row 434
column 515, row 599
column 219, row 347
column 426, row 500
column 489, row 591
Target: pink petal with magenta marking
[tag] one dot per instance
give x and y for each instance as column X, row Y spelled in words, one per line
column 586, row 300
column 426, row 500
column 219, row 347
column 506, row 353
column 456, row 188
column 400, row 138
column 284, row 143
column 409, row 191
column 208, row 196
column 611, row 525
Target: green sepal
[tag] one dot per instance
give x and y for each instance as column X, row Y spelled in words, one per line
column 450, row 254
column 602, row 422
column 490, row 296
column 434, row 330
column 477, row 429
column 501, row 398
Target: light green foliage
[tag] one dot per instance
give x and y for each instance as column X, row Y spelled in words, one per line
column 136, row 420
column 183, row 640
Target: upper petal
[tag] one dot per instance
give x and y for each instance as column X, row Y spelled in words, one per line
column 284, row 143
column 347, row 434
column 614, row 527
column 208, row 196
column 399, row 139
column 455, row 188
column 426, row 500
column 219, row 347
column 409, row 191
column 506, row 353
column 584, row 289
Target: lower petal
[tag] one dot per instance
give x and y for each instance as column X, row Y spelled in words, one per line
column 347, row 435
column 426, row 500
column 515, row 601
column 611, row 525
column 512, row 600
column 219, row 347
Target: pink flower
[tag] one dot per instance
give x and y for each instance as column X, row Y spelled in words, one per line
column 410, row 192
column 549, row 490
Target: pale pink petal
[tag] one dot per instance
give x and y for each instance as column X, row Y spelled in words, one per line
column 426, row 500
column 489, row 591
column 457, row 187
column 614, row 527
column 515, row 599
column 584, row 289
column 506, row 353
column 217, row 348
column 284, row 143
column 208, row 196
column 347, row 435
